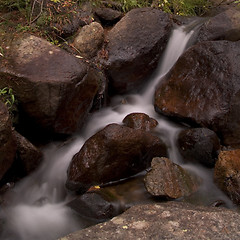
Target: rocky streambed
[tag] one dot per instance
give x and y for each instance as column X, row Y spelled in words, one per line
column 182, row 147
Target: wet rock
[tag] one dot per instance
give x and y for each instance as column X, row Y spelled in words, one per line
column 203, row 88
column 55, row 90
column 224, row 26
column 108, row 16
column 97, row 205
column 8, row 145
column 89, row 40
column 227, row 174
column 140, row 121
column 169, row 220
column 114, row 153
column 199, row 145
column 28, row 156
column 135, row 45
column 169, row 180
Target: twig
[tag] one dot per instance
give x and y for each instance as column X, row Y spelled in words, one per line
column 33, row 6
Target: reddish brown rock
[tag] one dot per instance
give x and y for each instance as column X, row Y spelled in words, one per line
column 227, row 174
column 203, row 88
column 169, row 180
column 114, row 153
column 140, row 121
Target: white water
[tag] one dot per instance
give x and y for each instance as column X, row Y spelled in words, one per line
column 37, row 210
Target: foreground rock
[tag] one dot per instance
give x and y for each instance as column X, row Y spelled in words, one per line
column 166, row 221
column 224, row 26
column 113, row 153
column 140, row 121
column 169, row 180
column 55, row 90
column 200, row 145
column 8, row 145
column 135, row 45
column 227, row 174
column 204, row 88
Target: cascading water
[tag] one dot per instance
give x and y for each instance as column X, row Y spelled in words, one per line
column 37, row 206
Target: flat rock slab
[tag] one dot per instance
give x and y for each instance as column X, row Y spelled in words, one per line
column 169, row 220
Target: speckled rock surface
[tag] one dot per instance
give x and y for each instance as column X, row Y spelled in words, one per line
column 167, row 179
column 169, row 220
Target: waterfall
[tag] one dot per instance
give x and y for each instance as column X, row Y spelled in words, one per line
column 37, row 208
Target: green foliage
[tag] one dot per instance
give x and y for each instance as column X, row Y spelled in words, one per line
column 7, row 96
column 184, row 7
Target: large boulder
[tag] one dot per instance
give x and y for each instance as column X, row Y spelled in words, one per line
column 200, row 145
column 171, row 220
column 227, row 174
column 224, row 26
column 8, row 145
column 54, row 89
column 114, row 153
column 135, row 45
column 203, row 88
column 169, row 180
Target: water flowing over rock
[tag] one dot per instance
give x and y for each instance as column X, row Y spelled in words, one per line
column 140, row 121
column 54, row 89
column 200, row 145
column 135, row 45
column 227, row 174
column 224, row 26
column 169, row 180
column 89, row 40
column 8, row 145
column 169, row 220
column 204, row 88
column 114, row 153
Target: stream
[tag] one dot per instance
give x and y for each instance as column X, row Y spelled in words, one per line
column 37, row 205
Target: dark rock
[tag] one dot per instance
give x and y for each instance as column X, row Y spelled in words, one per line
column 89, row 40
column 97, row 205
column 169, row 220
column 108, row 16
column 55, row 90
column 227, row 174
column 203, row 88
column 114, row 153
column 28, row 156
column 8, row 144
column 224, row 26
column 199, row 145
column 169, row 180
column 135, row 45
column 140, row 121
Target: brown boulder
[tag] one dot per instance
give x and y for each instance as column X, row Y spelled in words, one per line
column 204, row 88
column 227, row 174
column 135, row 45
column 114, row 153
column 199, row 145
column 169, row 180
column 89, row 40
column 55, row 90
column 140, row 121
column 8, row 144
